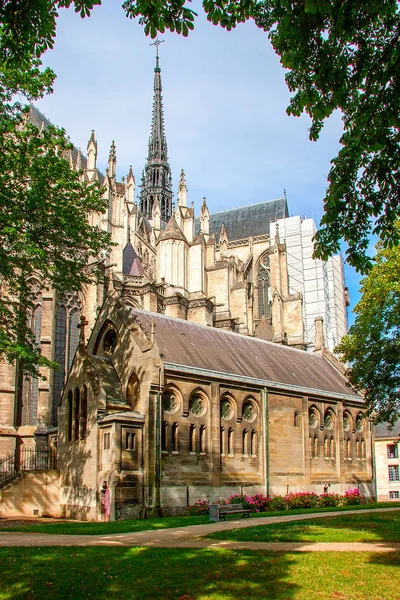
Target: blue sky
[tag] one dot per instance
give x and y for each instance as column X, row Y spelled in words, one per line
column 225, row 103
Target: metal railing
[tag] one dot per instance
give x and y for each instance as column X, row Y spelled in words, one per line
column 28, row 459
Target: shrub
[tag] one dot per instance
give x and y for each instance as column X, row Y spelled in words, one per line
column 201, row 507
column 277, row 503
column 301, row 500
column 330, row 500
column 353, row 497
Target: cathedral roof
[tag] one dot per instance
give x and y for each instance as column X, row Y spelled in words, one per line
column 253, row 219
column 172, row 231
column 131, row 264
column 208, row 351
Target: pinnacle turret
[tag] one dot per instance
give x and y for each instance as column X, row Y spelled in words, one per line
column 157, row 180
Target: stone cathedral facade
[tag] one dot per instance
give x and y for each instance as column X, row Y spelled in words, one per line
column 202, row 366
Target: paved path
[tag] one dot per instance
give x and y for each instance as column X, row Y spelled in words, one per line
column 192, row 537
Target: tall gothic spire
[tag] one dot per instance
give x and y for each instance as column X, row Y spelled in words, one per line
column 157, row 179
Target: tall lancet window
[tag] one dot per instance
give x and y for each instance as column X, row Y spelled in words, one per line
column 28, row 408
column 264, row 288
column 69, row 308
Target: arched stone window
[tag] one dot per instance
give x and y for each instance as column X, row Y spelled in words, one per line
column 164, row 436
column 360, row 423
column 133, row 391
column 28, row 410
column 245, row 442
column 202, row 439
column 68, row 314
column 83, row 414
column 249, row 411
column 347, row 421
column 227, row 411
column 197, row 405
column 70, row 409
column 170, row 401
column 192, row 438
column 253, row 443
column 332, row 447
column 264, row 287
column 231, row 447
column 77, row 412
column 296, row 419
column 313, row 418
column 175, row 438
column 329, row 420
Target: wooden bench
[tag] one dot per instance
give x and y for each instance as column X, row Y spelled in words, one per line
column 221, row 510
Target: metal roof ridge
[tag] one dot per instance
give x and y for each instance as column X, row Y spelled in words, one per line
column 218, row 212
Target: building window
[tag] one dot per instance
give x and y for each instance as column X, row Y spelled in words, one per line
column 332, row 447
column 83, row 414
column 169, row 402
column 202, row 440
column 230, row 442
column 264, row 288
column 358, row 449
column 326, row 447
column 346, row 422
column 110, row 342
column 393, row 473
column 245, row 442
column 222, row 441
column 316, row 449
column 174, row 438
column 68, row 316
column 296, row 419
column 392, row 451
column 359, row 423
column 249, row 412
column 69, row 418
column 226, row 410
column 313, row 419
column 329, row 420
column 363, row 449
column 348, row 449
column 77, row 413
column 253, row 441
column 164, row 436
column 133, row 391
column 106, row 441
column 197, row 406
column 192, row 438
column 130, row 441
column 394, row 494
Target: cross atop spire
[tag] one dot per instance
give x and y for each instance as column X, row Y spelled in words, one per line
column 156, row 43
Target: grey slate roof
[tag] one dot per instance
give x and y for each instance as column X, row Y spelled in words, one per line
column 172, row 231
column 131, row 263
column 382, row 430
column 210, row 349
column 242, row 222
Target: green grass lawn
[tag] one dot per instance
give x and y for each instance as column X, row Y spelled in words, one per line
column 89, row 528
column 371, row 527
column 181, row 574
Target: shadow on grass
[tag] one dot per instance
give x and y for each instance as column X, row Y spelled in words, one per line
column 142, row 573
column 370, row 527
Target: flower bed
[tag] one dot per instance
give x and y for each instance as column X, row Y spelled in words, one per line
column 260, row 503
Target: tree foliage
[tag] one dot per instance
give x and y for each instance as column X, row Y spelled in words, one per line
column 44, row 206
column 372, row 346
column 339, row 55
